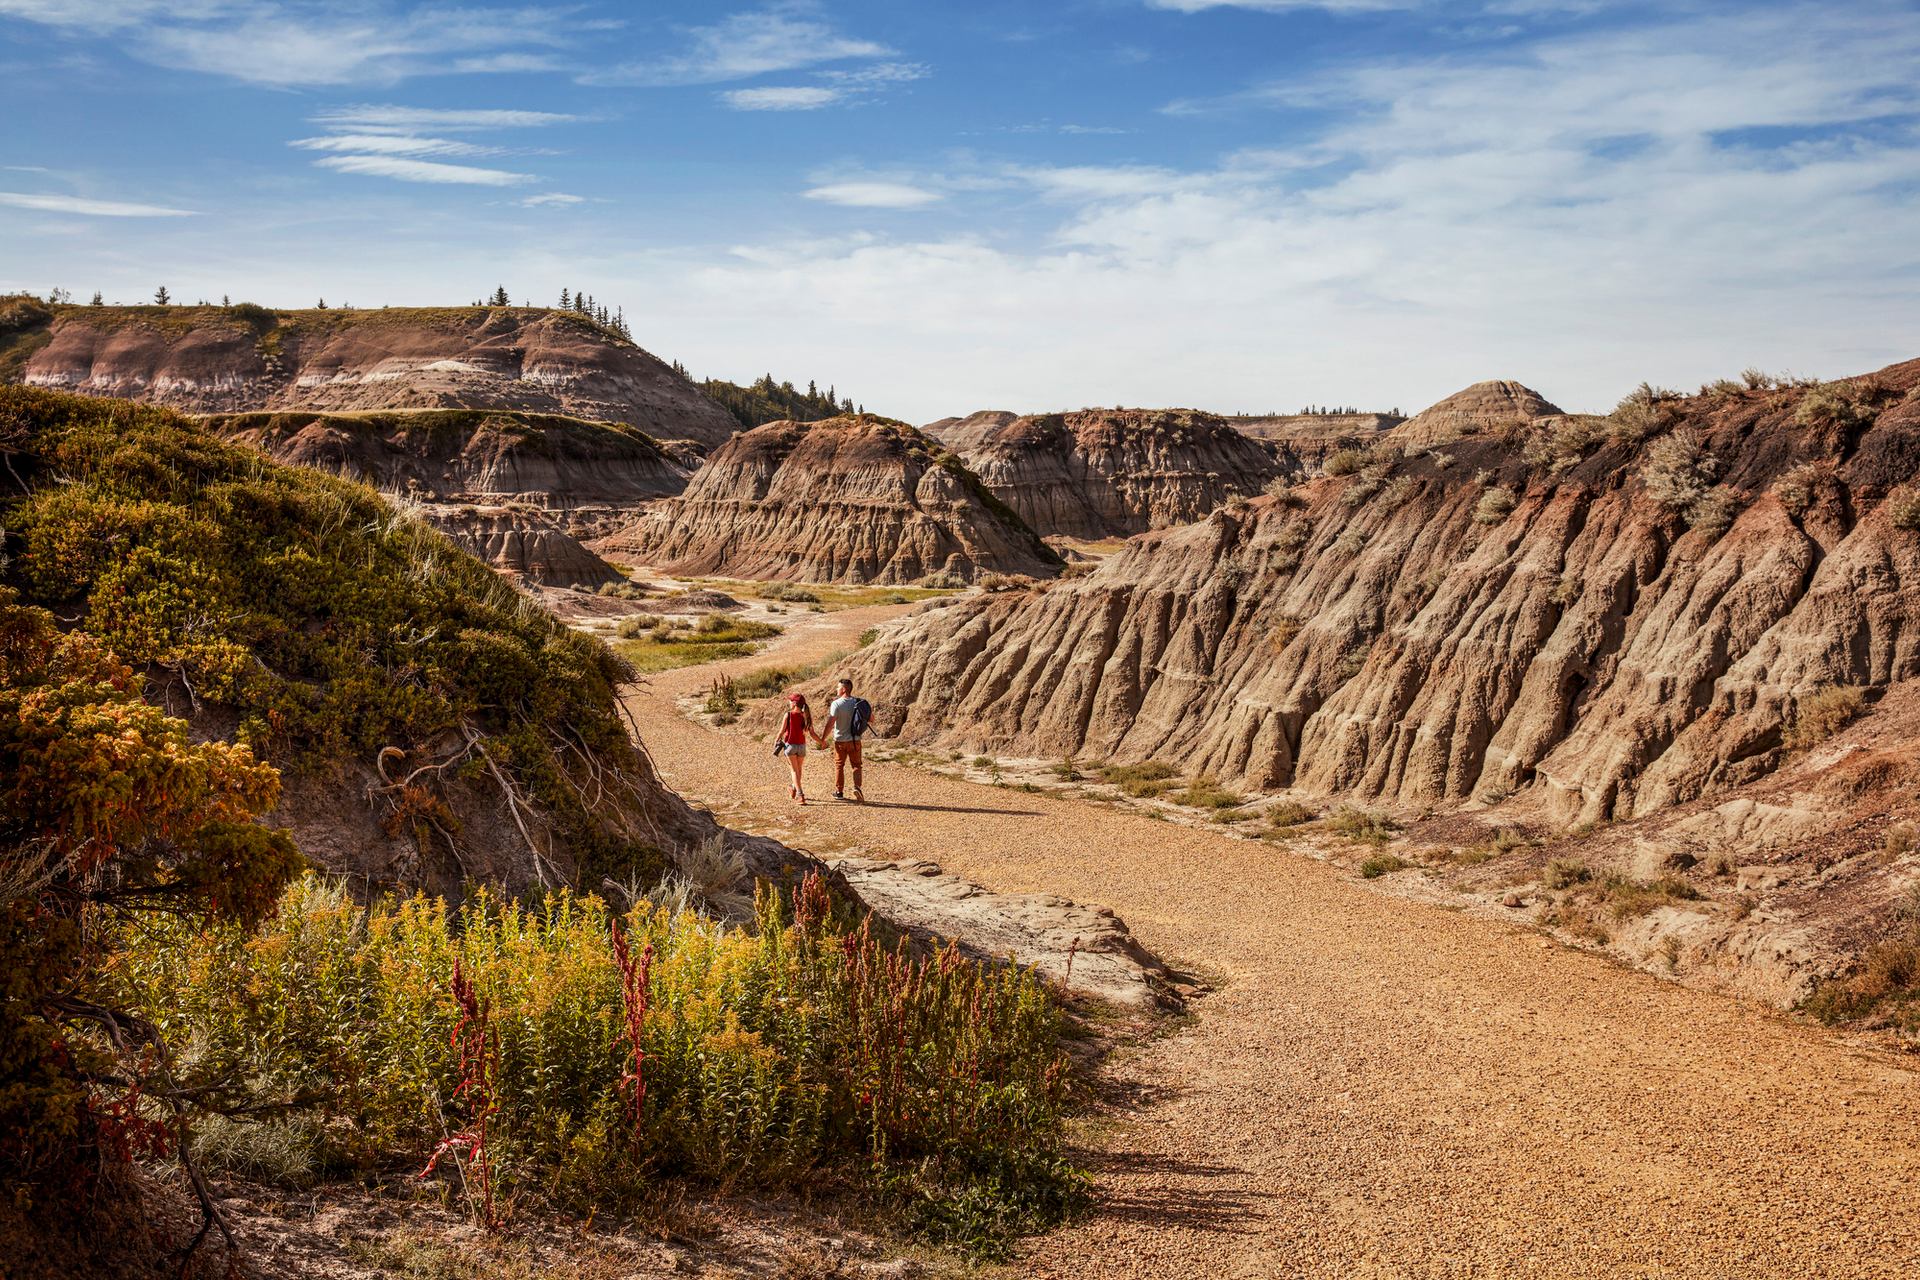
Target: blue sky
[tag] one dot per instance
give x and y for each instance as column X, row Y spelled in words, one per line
column 943, row 207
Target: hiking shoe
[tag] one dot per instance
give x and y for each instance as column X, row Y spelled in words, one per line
column 838, row 796
column 859, row 795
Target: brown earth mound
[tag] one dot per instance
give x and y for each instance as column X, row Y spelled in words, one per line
column 851, row 499
column 1484, row 407
column 962, row 434
column 1103, row 473
column 225, row 359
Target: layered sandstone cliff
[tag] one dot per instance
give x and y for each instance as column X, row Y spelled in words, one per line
column 226, row 359
column 1103, row 473
column 517, row 490
column 1609, row 623
column 857, row 498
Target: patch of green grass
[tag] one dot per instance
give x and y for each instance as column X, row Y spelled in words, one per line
column 1144, row 780
column 1627, row 897
column 1289, row 813
column 1207, row 793
column 831, row 597
column 648, row 657
column 1230, row 816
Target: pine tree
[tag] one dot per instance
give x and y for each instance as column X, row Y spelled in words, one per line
column 98, row 301
column 161, row 296
column 566, row 297
column 813, row 392
column 500, row 296
column 321, row 305
column 225, row 300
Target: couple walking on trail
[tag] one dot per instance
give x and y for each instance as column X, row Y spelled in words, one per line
column 847, row 720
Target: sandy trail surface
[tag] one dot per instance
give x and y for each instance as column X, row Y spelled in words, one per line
column 1381, row 1087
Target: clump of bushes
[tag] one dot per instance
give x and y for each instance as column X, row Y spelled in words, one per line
column 613, row 1049
column 1797, row 488
column 1344, row 462
column 1288, row 813
column 1285, row 628
column 1841, row 406
column 1645, row 411
column 1355, row 823
column 1381, row 864
column 1495, row 504
column 1903, row 508
column 942, row 580
column 793, row 593
column 1564, row 873
column 1562, row 445
column 1822, row 714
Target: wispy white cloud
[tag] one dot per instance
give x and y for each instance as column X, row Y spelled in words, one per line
column 311, row 42
column 388, row 117
column 553, row 198
column 782, row 98
column 432, row 171
column 88, row 208
column 741, row 46
column 392, row 144
column 873, row 195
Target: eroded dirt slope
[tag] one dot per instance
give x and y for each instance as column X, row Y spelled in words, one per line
column 857, row 498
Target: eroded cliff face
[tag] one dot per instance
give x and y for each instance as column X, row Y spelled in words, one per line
column 1610, row 625
column 1302, row 441
column 964, row 434
column 1105, row 473
column 517, row 490
column 228, row 359
column 851, row 499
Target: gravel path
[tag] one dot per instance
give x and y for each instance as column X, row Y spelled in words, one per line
column 1382, row 1087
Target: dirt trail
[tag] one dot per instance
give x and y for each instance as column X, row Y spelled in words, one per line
column 1382, row 1087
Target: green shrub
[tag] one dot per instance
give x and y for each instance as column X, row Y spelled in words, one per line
column 788, row 592
column 1645, row 411
column 765, row 1054
column 1841, row 406
column 1381, row 864
column 1797, row 488
column 1289, row 813
column 1206, row 793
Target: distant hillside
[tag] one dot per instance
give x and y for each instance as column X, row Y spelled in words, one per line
column 224, row 359
column 766, row 401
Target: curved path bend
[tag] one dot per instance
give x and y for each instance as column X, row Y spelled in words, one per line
column 1382, row 1087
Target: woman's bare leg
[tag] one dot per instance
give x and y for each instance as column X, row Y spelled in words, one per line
column 797, row 763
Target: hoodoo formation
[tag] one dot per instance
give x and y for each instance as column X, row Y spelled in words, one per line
column 1103, row 473
column 518, row 490
column 857, row 498
column 210, row 359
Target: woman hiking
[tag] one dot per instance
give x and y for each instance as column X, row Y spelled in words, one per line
column 795, row 729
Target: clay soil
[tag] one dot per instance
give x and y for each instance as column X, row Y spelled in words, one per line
column 1379, row 1086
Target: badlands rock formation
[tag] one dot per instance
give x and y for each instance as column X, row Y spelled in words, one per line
column 1612, row 623
column 1484, row 407
column 851, row 499
column 518, row 490
column 223, row 359
column 1302, row 441
column 1663, row 625
column 964, row 434
column 1103, row 473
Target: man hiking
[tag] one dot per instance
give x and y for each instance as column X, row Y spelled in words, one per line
column 849, row 717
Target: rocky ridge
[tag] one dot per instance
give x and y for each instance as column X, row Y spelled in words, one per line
column 1302, row 441
column 207, row 359
column 963, row 434
column 856, row 498
column 1104, row 473
column 1492, row 406
column 1576, row 625
column 518, row 490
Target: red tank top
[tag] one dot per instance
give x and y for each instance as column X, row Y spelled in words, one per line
column 794, row 731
